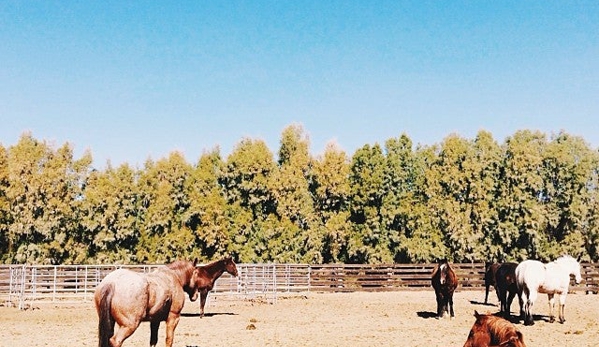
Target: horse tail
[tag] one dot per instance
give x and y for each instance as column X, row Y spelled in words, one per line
column 106, row 321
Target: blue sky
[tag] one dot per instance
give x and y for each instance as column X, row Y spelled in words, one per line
column 132, row 80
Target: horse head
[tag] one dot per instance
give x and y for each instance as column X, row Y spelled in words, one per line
column 230, row 266
column 443, row 270
column 572, row 265
column 191, row 288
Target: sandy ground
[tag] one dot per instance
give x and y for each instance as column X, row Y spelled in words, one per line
column 313, row 319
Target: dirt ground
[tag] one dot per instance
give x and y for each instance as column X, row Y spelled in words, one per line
column 313, row 319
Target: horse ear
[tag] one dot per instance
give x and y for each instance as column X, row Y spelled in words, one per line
column 579, row 257
column 195, row 262
column 476, row 314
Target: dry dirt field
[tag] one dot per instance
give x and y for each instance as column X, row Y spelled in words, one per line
column 313, row 319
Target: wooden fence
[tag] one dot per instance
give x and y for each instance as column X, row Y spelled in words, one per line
column 21, row 284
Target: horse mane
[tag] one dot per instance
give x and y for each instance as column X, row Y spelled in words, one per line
column 183, row 269
column 500, row 330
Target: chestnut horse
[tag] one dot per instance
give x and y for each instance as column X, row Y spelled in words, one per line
column 505, row 285
column 444, row 281
column 209, row 273
column 127, row 298
column 491, row 269
column 533, row 277
column 489, row 331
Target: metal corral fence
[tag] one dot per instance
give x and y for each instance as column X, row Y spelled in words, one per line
column 21, row 285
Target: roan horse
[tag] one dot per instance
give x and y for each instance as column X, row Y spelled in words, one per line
column 209, row 273
column 534, row 277
column 444, row 281
column 127, row 298
column 489, row 331
column 505, row 285
column 491, row 269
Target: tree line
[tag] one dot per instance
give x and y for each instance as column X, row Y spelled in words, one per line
column 531, row 196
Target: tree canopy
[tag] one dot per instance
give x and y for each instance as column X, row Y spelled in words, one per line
column 531, row 196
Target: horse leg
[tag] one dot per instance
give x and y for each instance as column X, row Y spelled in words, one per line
column 154, row 325
column 562, row 307
column 521, row 302
column 450, row 302
column 123, row 332
column 203, row 296
column 487, row 292
column 508, row 306
column 528, row 317
column 551, row 304
column 171, row 324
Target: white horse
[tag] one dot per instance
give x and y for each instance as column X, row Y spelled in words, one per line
column 533, row 277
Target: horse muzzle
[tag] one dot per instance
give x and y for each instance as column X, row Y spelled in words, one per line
column 193, row 297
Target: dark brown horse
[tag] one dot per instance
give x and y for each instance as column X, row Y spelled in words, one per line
column 505, row 284
column 444, row 281
column 127, row 298
column 490, row 331
column 209, row 273
column 491, row 269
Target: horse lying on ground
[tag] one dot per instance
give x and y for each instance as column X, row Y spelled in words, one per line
column 533, row 277
column 505, row 284
column 209, row 273
column 444, row 281
column 493, row 331
column 127, row 298
column 491, row 270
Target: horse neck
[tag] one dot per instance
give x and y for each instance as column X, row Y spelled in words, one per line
column 215, row 269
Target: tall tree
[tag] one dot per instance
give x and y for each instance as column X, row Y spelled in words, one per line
column 162, row 187
column 331, row 191
column 521, row 217
column 568, row 165
column 45, row 188
column 110, row 215
column 299, row 238
column 369, row 241
column 209, row 215
column 246, row 179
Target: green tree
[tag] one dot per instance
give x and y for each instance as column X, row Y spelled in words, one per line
column 209, row 215
column 369, row 240
column 420, row 237
column 164, row 202
column 331, row 191
column 568, row 165
column 109, row 215
column 298, row 235
column 520, row 208
column 246, row 179
column 45, row 190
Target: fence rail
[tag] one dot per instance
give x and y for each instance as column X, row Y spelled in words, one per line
column 21, row 284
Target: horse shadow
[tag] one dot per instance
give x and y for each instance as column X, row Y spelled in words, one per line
column 209, row 314
column 475, row 302
column 426, row 314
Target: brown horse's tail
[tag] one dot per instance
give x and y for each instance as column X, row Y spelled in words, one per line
column 106, row 323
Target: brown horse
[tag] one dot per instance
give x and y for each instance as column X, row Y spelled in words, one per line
column 209, row 273
column 490, row 331
column 505, row 284
column 127, row 298
column 491, row 269
column 444, row 281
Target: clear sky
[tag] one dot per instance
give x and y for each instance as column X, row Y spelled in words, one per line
column 132, row 80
